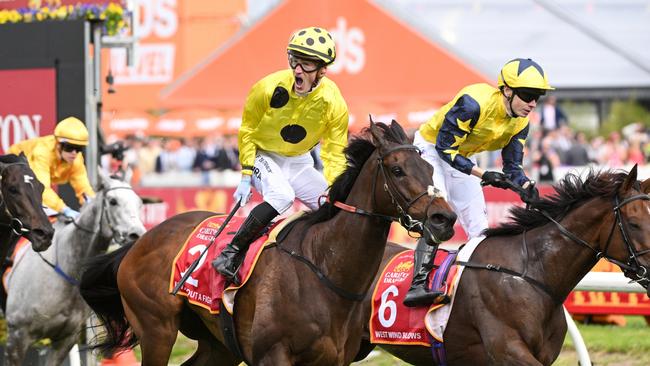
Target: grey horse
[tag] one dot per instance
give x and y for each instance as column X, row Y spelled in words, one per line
column 43, row 294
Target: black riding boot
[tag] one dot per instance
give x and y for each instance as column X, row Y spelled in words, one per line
column 419, row 293
column 232, row 256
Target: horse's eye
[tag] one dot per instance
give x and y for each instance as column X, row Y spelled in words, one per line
column 113, row 202
column 397, row 171
column 634, row 226
column 13, row 190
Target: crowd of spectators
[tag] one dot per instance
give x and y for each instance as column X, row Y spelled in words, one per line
column 552, row 143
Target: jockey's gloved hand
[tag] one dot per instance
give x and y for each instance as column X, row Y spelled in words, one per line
column 68, row 212
column 530, row 194
column 496, row 179
column 243, row 191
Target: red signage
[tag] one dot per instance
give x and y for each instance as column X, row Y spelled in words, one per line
column 28, row 107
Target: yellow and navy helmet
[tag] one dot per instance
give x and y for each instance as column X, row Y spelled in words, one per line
column 71, row 130
column 523, row 73
column 313, row 42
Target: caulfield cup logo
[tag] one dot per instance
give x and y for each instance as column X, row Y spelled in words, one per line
column 350, row 53
column 16, row 128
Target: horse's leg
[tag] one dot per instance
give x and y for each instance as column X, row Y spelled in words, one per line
column 276, row 356
column 60, row 349
column 211, row 352
column 18, row 341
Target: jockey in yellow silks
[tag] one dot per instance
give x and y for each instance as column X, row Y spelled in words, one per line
column 288, row 113
column 57, row 159
column 479, row 118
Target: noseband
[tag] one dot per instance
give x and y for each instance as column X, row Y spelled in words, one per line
column 17, row 226
column 632, row 268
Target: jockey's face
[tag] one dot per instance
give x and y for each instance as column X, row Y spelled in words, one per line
column 69, row 151
column 522, row 102
column 305, row 73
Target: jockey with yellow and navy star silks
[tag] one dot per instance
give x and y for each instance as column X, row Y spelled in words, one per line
column 287, row 114
column 57, row 159
column 479, row 118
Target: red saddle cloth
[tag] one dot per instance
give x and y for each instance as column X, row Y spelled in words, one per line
column 205, row 285
column 16, row 256
column 393, row 323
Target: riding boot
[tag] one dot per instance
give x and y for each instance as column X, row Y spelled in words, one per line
column 232, row 256
column 419, row 293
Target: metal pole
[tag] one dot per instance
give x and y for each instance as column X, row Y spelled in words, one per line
column 578, row 342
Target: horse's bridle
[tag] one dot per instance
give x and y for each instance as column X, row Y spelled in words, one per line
column 406, row 220
column 55, row 266
column 122, row 241
column 632, row 268
column 403, row 218
column 17, row 226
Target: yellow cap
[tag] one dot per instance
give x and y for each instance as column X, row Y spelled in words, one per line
column 72, row 131
column 314, row 42
column 523, row 73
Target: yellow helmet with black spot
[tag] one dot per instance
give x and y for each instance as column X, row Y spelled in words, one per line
column 313, row 42
column 523, row 73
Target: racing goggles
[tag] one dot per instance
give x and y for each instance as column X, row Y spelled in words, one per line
column 67, row 147
column 305, row 65
column 528, row 95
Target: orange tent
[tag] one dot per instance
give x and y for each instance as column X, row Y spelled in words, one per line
column 383, row 67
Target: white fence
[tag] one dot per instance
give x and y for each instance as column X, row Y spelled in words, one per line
column 597, row 281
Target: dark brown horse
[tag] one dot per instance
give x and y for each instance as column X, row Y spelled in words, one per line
column 503, row 319
column 21, row 209
column 286, row 313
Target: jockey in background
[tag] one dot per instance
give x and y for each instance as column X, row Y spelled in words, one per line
column 286, row 114
column 58, row 159
column 479, row 118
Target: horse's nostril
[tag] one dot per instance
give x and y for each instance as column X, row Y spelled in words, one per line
column 133, row 236
column 440, row 219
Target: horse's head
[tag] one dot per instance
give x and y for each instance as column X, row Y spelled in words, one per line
column 631, row 229
column 121, row 208
column 21, row 199
column 403, row 184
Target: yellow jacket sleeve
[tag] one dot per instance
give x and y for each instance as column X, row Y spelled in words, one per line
column 251, row 117
column 334, row 142
column 41, row 162
column 79, row 180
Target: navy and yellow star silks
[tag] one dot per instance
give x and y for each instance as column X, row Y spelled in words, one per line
column 294, row 126
column 475, row 121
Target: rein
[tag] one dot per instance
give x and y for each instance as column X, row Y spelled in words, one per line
column 55, row 266
column 404, row 219
column 631, row 268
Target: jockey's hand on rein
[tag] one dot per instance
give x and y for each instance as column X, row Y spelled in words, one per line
column 530, row 194
column 496, row 179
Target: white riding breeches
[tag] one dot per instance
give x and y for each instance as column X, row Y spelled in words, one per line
column 281, row 179
column 463, row 192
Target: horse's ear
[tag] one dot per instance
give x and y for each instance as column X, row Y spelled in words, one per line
column 104, row 179
column 629, row 180
column 22, row 156
column 645, row 186
column 377, row 134
column 398, row 131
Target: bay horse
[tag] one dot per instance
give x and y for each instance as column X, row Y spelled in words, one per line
column 112, row 216
column 21, row 208
column 514, row 315
column 302, row 308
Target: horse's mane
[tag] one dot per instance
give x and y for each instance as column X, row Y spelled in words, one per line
column 357, row 153
column 10, row 158
column 572, row 191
